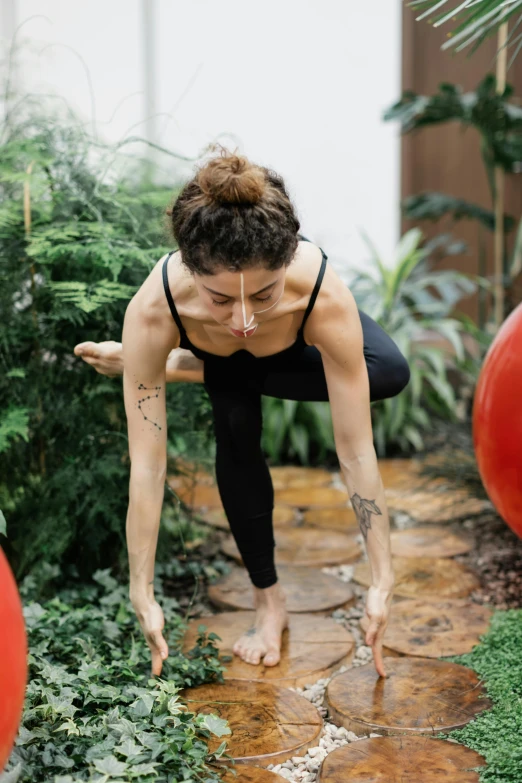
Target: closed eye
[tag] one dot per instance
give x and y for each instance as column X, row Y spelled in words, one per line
column 258, row 299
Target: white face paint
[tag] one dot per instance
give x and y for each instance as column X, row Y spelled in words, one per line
column 257, row 311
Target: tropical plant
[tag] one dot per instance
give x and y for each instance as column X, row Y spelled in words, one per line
column 399, row 298
column 410, row 300
column 299, row 430
column 499, row 123
column 476, row 20
column 91, row 710
column 77, row 238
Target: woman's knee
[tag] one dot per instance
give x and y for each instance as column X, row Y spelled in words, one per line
column 237, row 425
column 389, row 376
column 400, row 373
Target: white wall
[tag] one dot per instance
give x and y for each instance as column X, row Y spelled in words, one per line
column 298, row 85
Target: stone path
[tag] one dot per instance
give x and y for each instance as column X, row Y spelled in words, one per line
column 323, row 714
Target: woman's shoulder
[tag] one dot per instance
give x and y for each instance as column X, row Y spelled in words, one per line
column 150, row 302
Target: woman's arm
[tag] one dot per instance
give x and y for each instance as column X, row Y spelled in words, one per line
column 146, row 345
column 335, row 329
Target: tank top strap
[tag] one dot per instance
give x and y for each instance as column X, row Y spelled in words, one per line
column 170, row 300
column 317, row 286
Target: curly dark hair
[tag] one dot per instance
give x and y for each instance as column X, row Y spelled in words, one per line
column 233, row 214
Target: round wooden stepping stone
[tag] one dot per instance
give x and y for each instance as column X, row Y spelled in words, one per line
column 434, row 629
column 190, row 478
column 246, row 774
column 306, row 590
column 312, row 647
column 297, row 477
column 405, row 759
column 196, row 495
column 284, row 516
column 342, row 519
column 418, row 696
column 268, row 724
column 312, row 497
column 425, row 577
column 398, row 473
column 432, row 541
column 306, row 547
column 440, row 506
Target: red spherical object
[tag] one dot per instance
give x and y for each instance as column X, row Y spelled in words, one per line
column 497, row 421
column 13, row 660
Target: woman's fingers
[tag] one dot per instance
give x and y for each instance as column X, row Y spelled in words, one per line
column 159, row 649
column 378, row 603
column 374, row 638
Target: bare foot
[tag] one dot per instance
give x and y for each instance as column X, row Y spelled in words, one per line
column 263, row 640
column 105, row 357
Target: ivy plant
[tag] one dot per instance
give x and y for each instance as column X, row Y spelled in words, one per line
column 92, row 712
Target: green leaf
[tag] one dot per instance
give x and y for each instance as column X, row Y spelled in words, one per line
column 413, row 436
column 299, row 439
column 450, row 328
column 138, row 770
column 433, row 206
column 3, row 524
column 474, row 21
column 14, row 424
column 110, row 766
column 289, row 410
column 143, row 705
column 89, row 297
column 214, row 724
column 13, row 775
column 70, row 727
column 129, row 748
column 443, row 389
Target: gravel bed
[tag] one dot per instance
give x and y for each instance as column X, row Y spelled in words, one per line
column 496, row 558
column 304, row 768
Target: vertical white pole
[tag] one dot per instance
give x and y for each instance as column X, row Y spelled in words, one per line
column 8, row 22
column 149, row 81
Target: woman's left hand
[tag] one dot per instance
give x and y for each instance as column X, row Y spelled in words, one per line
column 377, row 611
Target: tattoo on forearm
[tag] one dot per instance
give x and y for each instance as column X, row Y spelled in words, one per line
column 157, row 389
column 364, row 508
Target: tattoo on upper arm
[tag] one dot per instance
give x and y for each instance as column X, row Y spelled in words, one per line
column 157, row 389
column 364, row 508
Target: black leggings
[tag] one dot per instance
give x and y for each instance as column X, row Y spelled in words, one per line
column 242, row 474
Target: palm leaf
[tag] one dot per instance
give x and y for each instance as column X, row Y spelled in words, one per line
column 476, row 20
column 433, row 206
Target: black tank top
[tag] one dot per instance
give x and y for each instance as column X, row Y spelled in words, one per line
column 296, row 346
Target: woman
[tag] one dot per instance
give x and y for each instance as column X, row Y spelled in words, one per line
column 233, row 303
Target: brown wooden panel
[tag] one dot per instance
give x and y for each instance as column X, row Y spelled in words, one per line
column 447, row 158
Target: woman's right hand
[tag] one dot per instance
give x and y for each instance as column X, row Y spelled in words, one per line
column 152, row 621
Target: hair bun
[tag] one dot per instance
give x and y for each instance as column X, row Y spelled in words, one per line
column 231, row 179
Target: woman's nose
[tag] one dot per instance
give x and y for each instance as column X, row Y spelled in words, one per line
column 238, row 321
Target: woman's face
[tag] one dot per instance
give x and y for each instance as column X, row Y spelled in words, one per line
column 234, row 299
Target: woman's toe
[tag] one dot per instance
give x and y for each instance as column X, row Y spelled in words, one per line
column 272, row 657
